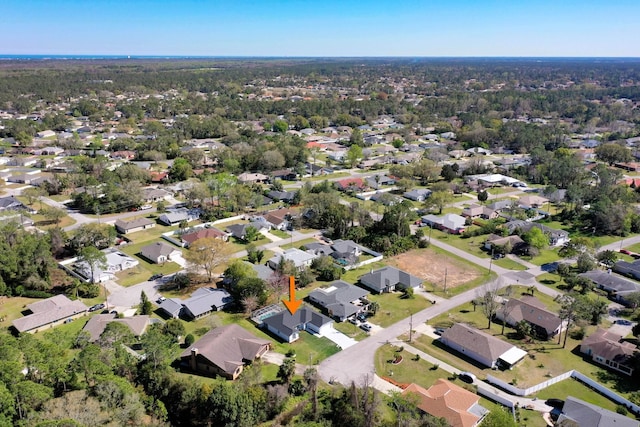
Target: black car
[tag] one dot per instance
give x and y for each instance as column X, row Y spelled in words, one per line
column 97, row 307
column 156, row 276
column 439, row 331
column 467, row 377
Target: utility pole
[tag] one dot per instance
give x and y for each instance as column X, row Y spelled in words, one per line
column 411, row 327
column 445, row 280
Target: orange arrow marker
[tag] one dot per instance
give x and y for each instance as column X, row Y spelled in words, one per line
column 292, row 304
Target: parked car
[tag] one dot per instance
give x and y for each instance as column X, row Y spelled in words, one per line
column 97, row 307
column 439, row 331
column 467, row 377
column 624, row 251
column 365, row 327
column 353, row 320
column 161, row 300
column 68, row 320
column 156, row 276
column 623, row 322
column 361, row 317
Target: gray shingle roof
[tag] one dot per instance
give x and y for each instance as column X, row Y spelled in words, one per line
column 156, row 249
column 478, row 342
column 172, row 306
column 378, row 280
column 97, row 324
column 337, row 298
column 611, row 281
column 518, row 310
column 49, row 311
column 589, row 415
column 286, row 322
column 227, row 347
column 204, row 299
column 130, row 225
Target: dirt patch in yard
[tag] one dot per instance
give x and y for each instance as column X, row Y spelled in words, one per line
column 431, row 266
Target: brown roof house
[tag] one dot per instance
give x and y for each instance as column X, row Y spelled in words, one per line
column 449, row 401
column 544, row 323
column 139, row 224
column 605, row 348
column 203, row 233
column 48, row 313
column 224, row 351
column 97, row 324
column 485, row 349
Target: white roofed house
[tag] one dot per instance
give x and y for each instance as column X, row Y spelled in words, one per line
column 300, row 259
column 451, row 223
column 116, row 261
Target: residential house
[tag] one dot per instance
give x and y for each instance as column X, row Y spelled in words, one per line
column 346, row 252
column 417, row 195
column 385, row 198
column 576, row 412
column 494, row 241
column 172, row 307
column 176, row 216
column 253, row 178
column 239, row 231
column 224, row 351
column 532, row 201
column 155, row 194
column 203, row 233
column 116, row 261
column 606, row 348
column 474, row 211
column 10, row 203
column 451, row 223
column 282, row 196
column 48, row 313
column 631, row 269
column 299, row 258
column 279, row 219
column 379, row 181
column 98, row 323
column 556, row 237
column 284, row 174
column 446, row 400
column 160, row 252
column 287, row 326
column 134, row 225
column 340, row 299
column 616, row 286
column 350, row 184
column 204, row 301
column 389, row 279
column 485, row 349
column 544, row 323
column 317, row 170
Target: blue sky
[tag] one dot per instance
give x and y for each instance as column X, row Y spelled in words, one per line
column 321, row 28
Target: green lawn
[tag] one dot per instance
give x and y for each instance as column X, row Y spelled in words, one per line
column 501, row 190
column 145, row 269
column 393, row 307
column 508, row 263
column 573, row 387
column 472, row 245
column 41, row 222
column 281, row 234
column 298, row 243
column 545, row 256
column 150, row 233
column 350, row 330
column 409, row 370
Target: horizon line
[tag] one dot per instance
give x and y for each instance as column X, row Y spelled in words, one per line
column 159, row 56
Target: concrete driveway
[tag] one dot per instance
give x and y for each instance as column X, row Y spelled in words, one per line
column 340, row 339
